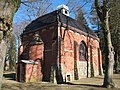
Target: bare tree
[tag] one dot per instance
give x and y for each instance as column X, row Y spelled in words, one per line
column 76, row 5
column 103, row 10
column 7, row 11
column 31, row 9
column 35, row 8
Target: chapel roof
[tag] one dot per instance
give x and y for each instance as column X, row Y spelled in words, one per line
column 57, row 17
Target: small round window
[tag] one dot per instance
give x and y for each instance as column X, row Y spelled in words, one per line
column 66, row 12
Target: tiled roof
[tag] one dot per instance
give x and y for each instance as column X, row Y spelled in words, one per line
column 56, row 17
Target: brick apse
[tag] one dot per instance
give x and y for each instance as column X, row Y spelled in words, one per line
column 56, row 47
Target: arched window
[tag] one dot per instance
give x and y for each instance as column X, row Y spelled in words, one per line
column 82, row 51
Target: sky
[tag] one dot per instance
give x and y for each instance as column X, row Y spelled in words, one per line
column 20, row 16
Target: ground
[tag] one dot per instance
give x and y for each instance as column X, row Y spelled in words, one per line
column 95, row 83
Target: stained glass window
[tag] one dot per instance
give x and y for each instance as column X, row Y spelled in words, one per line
column 82, row 51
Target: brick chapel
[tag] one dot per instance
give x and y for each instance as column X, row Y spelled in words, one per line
column 56, row 47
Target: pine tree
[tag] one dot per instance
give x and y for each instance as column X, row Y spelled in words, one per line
column 80, row 16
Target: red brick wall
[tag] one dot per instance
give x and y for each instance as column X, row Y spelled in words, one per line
column 68, row 55
column 49, row 37
column 33, row 72
column 36, row 52
column 63, row 52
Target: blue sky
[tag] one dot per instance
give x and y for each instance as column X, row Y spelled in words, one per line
column 20, row 16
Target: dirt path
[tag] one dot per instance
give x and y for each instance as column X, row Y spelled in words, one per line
column 82, row 84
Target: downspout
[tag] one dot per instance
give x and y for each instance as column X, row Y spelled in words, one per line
column 87, row 54
column 58, row 52
column 59, row 75
column 59, row 39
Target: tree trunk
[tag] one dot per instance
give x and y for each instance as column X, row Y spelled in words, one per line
column 103, row 14
column 3, row 47
column 109, row 63
column 7, row 11
column 109, row 51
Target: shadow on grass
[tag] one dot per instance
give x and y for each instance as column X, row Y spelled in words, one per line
column 89, row 85
column 10, row 76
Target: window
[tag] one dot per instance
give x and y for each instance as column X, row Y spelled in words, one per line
column 66, row 12
column 82, row 51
